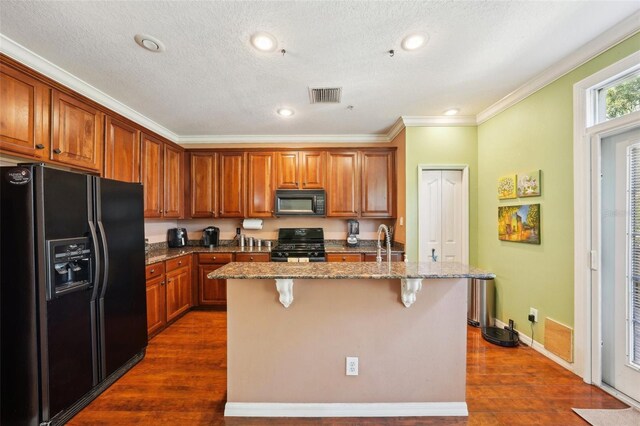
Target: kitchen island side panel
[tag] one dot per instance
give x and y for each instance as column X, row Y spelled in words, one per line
column 297, row 354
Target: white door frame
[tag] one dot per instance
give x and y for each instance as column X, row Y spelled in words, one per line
column 587, row 137
column 464, row 168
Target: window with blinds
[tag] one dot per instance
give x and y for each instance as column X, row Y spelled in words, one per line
column 633, row 280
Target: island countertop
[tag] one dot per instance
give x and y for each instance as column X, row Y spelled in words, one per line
column 348, row 270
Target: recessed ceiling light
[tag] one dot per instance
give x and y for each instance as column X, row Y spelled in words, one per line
column 285, row 112
column 264, row 42
column 150, row 43
column 452, row 111
column 413, row 41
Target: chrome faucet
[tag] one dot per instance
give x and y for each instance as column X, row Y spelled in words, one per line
column 384, row 228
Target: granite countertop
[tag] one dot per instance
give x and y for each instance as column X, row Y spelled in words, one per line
column 162, row 254
column 341, row 270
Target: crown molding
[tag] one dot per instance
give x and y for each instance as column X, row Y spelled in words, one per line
column 439, row 120
column 616, row 34
column 54, row 72
column 213, row 139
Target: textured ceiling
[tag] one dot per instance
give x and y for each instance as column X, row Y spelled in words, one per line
column 210, row 81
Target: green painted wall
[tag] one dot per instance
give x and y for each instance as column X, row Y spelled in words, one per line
column 447, row 146
column 536, row 133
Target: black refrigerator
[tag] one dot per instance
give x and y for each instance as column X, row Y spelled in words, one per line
column 72, row 290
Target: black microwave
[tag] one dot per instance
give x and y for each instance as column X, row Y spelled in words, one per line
column 300, row 202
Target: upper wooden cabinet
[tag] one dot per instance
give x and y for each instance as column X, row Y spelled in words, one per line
column 204, row 177
column 121, row 151
column 300, row 169
column 261, row 183
column 173, row 182
column 361, row 183
column 163, row 178
column 343, row 186
column 77, row 133
column 152, row 153
column 231, row 184
column 24, row 114
column 378, row 183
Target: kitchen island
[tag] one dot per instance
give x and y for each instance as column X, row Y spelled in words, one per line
column 406, row 323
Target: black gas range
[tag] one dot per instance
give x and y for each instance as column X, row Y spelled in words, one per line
column 299, row 245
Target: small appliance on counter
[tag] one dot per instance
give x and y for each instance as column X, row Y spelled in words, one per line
column 353, row 229
column 177, row 237
column 211, row 236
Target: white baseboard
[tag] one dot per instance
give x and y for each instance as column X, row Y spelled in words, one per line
column 539, row 347
column 390, row 409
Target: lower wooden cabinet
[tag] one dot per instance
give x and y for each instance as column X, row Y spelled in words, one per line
column 156, row 307
column 344, row 257
column 252, row 257
column 371, row 257
column 212, row 292
column 169, row 292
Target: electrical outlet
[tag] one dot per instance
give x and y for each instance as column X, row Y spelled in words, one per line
column 237, row 231
column 534, row 312
column 352, row 366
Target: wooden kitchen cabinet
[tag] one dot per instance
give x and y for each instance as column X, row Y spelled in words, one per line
column 300, row 169
column 152, row 153
column 173, row 182
column 371, row 257
column 178, row 292
column 231, row 184
column 204, row 178
column 253, row 257
column 121, row 151
column 77, row 132
column 212, row 292
column 343, row 184
column 260, row 184
column 378, row 184
column 156, row 305
column 169, row 292
column 344, row 257
column 24, row 114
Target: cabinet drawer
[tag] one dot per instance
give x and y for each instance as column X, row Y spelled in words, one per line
column 252, row 257
column 371, row 257
column 215, row 257
column 344, row 257
column 178, row 262
column 154, row 270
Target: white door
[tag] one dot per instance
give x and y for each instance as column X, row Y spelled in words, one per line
column 621, row 262
column 441, row 204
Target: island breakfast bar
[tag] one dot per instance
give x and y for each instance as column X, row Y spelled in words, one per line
column 290, row 327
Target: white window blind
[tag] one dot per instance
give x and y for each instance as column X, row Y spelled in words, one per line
column 633, row 281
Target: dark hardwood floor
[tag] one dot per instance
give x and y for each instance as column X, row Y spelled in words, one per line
column 182, row 381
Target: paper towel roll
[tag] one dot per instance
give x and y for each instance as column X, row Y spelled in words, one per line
column 252, row 224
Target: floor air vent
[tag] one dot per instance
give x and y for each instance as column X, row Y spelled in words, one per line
column 325, row 95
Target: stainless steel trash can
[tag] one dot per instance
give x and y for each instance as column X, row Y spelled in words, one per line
column 481, row 302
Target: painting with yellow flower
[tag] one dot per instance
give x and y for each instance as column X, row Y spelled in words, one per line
column 507, row 187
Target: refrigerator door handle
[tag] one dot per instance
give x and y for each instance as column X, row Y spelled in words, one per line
column 96, row 276
column 105, row 250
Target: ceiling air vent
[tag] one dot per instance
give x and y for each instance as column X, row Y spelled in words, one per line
column 325, row 95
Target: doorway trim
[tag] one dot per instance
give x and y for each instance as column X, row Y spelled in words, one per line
column 464, row 168
column 586, row 133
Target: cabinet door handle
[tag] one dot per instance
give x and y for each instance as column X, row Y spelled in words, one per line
column 250, row 257
column 57, row 151
column 152, row 271
column 161, row 282
column 214, row 258
column 40, row 146
column 180, row 262
column 344, row 258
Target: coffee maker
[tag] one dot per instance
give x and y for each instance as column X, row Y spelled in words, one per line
column 353, row 229
column 211, row 236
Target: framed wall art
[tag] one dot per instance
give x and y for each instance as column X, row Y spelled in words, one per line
column 519, row 224
column 529, row 184
column 507, row 187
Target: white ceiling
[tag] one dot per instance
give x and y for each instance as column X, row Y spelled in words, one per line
column 210, row 81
